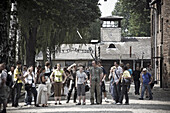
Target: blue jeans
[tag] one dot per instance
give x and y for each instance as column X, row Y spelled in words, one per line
column 144, row 87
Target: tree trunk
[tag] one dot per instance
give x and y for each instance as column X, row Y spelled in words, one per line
column 4, row 28
column 30, row 47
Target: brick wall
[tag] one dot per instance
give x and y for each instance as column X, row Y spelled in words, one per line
column 163, row 40
column 166, row 42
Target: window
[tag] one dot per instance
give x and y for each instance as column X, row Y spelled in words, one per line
column 112, row 46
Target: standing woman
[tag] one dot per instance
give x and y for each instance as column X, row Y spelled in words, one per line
column 30, row 86
column 42, row 90
column 125, row 83
column 47, row 76
column 111, row 78
column 81, row 82
column 56, row 78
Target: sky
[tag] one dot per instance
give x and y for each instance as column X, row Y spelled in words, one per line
column 107, row 7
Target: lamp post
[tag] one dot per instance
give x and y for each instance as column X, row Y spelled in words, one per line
column 95, row 42
column 142, row 59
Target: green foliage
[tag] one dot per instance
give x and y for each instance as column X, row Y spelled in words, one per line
column 57, row 21
column 136, row 17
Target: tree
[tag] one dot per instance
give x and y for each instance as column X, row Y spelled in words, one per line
column 46, row 23
column 4, row 30
column 136, row 17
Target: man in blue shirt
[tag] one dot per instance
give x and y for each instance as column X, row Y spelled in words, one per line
column 146, row 81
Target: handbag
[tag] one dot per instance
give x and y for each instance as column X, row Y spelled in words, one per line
column 126, row 81
column 28, row 87
column 87, row 88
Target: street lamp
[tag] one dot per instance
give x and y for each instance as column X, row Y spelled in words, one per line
column 95, row 42
column 142, row 59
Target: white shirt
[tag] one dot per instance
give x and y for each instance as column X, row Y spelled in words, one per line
column 47, row 70
column 118, row 71
column 29, row 79
column 81, row 77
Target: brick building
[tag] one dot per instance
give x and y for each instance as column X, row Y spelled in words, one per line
column 160, row 30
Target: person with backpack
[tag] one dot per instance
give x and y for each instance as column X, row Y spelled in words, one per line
column 117, row 81
column 146, row 81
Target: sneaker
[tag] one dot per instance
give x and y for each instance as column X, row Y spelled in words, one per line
column 29, row 105
column 105, row 99
column 147, row 96
column 84, row 103
column 126, row 104
column 78, row 104
column 140, row 98
column 55, row 103
column 25, row 104
column 119, row 103
column 60, row 103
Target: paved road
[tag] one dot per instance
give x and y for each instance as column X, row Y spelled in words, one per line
column 160, row 104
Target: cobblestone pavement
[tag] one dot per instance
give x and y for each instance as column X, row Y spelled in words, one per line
column 160, row 104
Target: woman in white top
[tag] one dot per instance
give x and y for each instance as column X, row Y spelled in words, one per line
column 47, row 76
column 81, row 82
column 111, row 78
column 30, row 86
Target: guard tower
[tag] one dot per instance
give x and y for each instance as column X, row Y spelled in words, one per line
column 111, row 28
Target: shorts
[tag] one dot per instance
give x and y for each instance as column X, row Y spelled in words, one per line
column 81, row 90
column 103, row 88
column 57, row 89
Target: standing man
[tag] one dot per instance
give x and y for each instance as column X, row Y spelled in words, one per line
column 18, row 76
column 72, row 69
column 136, row 78
column 103, row 89
column 117, row 81
column 96, row 75
column 3, row 88
column 146, row 81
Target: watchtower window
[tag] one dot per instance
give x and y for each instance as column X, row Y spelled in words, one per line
column 112, row 46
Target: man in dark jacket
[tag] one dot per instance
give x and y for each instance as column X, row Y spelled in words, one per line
column 136, row 77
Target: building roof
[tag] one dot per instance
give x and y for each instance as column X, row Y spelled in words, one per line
column 111, row 18
column 120, row 51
